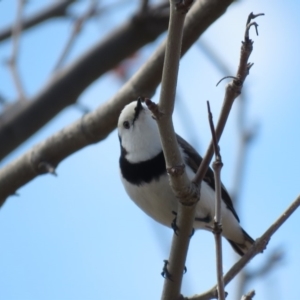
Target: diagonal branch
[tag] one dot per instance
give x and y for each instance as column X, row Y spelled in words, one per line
column 77, row 27
column 92, row 11
column 258, row 247
column 233, row 90
column 95, row 126
column 22, row 119
column 57, row 9
column 12, row 62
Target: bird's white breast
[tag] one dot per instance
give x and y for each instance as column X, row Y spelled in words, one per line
column 158, row 200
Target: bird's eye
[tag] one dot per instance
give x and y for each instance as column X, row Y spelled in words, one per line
column 126, row 124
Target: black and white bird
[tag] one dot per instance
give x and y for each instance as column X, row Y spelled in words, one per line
column 144, row 176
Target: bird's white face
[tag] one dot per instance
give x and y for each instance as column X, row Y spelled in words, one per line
column 138, row 133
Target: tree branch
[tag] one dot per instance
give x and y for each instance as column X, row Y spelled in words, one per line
column 258, row 247
column 233, row 90
column 186, row 192
column 12, row 62
column 77, row 27
column 22, row 119
column 95, row 126
column 79, row 21
column 175, row 166
column 57, row 9
column 217, row 166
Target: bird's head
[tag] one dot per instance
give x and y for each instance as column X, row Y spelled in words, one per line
column 138, row 133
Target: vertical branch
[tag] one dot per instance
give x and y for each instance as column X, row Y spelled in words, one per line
column 233, row 90
column 12, row 62
column 180, row 243
column 186, row 192
column 53, row 10
column 217, row 166
column 179, row 181
column 245, row 137
column 258, row 247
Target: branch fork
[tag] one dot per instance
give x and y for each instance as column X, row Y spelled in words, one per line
column 153, row 107
column 176, row 170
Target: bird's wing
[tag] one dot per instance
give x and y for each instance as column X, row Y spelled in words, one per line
column 193, row 160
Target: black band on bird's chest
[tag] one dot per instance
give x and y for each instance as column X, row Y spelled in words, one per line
column 143, row 172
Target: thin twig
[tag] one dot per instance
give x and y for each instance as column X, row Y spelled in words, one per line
column 252, row 16
column 217, row 166
column 92, row 11
column 214, row 137
column 233, row 90
column 245, row 137
column 104, row 8
column 180, row 185
column 261, row 243
column 77, row 27
column 12, row 62
column 56, row 9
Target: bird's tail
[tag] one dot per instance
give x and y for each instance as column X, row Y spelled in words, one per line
column 241, row 249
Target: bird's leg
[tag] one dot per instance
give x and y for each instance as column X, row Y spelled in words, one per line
column 166, row 274
column 206, row 219
column 173, row 224
column 176, row 228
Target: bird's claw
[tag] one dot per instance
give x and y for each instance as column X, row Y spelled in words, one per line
column 173, row 224
column 165, row 273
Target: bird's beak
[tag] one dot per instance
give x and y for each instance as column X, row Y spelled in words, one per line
column 139, row 107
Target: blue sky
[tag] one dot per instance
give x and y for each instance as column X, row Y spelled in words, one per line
column 79, row 236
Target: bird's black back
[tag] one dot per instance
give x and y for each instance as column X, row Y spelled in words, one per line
column 193, row 160
column 152, row 169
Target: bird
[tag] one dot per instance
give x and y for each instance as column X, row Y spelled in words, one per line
column 145, row 179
